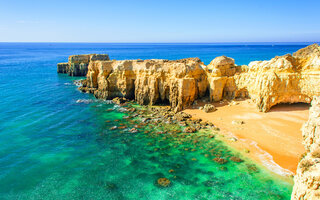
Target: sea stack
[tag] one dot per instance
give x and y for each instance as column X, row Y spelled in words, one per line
column 77, row 65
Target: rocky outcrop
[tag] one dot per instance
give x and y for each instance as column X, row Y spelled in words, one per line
column 307, row 180
column 77, row 65
column 178, row 82
column 283, row 79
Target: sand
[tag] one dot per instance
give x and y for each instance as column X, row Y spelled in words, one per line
column 273, row 139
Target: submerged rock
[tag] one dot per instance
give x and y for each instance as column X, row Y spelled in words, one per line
column 236, row 159
column 252, row 168
column 163, row 182
column 111, row 186
column 133, row 130
column 220, row 160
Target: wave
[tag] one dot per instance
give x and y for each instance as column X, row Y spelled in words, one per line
column 86, row 101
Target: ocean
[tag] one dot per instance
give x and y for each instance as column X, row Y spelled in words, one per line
column 56, row 142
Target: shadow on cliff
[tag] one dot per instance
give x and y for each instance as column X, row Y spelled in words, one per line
column 287, row 107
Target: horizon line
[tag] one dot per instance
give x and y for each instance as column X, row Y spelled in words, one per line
column 162, row 42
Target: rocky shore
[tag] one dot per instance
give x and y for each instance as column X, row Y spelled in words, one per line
column 179, row 83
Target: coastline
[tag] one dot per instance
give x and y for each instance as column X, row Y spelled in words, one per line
column 269, row 141
column 274, row 139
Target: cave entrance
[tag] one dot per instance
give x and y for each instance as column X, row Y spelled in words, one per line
column 290, row 107
column 164, row 102
column 131, row 93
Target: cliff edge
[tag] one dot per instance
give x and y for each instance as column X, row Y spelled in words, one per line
column 307, row 179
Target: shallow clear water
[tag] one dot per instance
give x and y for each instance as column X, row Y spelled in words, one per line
column 52, row 147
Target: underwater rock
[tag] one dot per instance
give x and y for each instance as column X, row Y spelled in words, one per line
column 220, row 160
column 133, row 130
column 236, row 159
column 111, row 186
column 163, row 182
column 252, row 168
column 223, row 168
column 209, row 183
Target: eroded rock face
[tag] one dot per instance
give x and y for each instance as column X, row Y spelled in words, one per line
column 77, row 65
column 149, row 82
column 307, row 180
column 283, row 79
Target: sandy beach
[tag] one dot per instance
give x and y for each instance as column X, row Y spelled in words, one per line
column 273, row 139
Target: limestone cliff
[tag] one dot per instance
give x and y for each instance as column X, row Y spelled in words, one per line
column 77, row 65
column 283, row 79
column 178, row 82
column 307, row 180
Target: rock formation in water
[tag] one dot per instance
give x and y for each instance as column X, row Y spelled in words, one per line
column 283, row 79
column 78, row 64
column 307, row 179
column 178, row 82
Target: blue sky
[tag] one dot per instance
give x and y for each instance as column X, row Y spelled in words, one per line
column 159, row 21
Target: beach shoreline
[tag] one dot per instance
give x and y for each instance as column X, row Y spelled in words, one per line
column 272, row 139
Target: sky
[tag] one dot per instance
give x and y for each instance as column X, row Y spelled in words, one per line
column 203, row 21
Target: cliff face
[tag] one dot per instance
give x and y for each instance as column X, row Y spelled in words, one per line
column 178, row 82
column 77, row 65
column 307, row 180
column 283, row 79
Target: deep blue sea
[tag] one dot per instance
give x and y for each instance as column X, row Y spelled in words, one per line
column 53, row 146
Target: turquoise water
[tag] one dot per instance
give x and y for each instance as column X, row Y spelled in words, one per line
column 54, row 147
